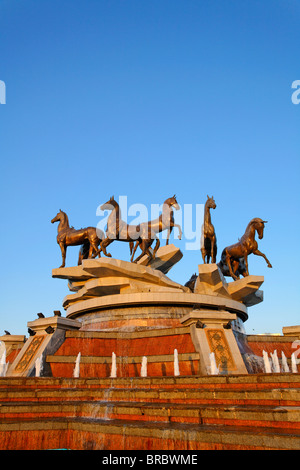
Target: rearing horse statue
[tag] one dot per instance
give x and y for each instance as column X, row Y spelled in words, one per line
column 89, row 237
column 208, row 239
column 234, row 258
column 118, row 229
column 164, row 222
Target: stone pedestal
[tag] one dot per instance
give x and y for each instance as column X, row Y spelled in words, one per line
column 291, row 330
column 211, row 332
column 12, row 342
column 48, row 335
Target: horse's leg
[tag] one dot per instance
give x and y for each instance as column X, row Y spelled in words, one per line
column 214, row 251
column 259, row 253
column 148, row 252
column 212, row 246
column 79, row 257
column 104, row 244
column 94, row 251
column 246, row 266
column 156, row 247
column 131, row 247
column 63, row 249
column 134, row 250
column 235, row 266
column 143, row 247
column 203, row 252
column 150, row 256
column 169, row 233
column 227, row 259
column 180, row 231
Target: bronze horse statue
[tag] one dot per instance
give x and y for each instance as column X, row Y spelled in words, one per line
column 164, row 222
column 118, row 229
column 208, row 239
column 89, row 238
column 234, row 258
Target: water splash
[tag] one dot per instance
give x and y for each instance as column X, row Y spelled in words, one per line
column 144, row 367
column 267, row 364
column 275, row 362
column 294, row 364
column 113, row 372
column 285, row 366
column 77, row 366
column 176, row 363
column 38, row 366
column 3, row 364
column 214, row 370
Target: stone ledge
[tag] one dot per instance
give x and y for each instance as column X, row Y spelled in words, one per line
column 291, row 330
column 122, row 359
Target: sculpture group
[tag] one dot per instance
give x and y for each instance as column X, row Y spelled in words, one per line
column 92, row 241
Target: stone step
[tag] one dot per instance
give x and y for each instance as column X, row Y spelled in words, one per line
column 201, row 396
column 86, row 433
column 239, row 415
column 255, row 381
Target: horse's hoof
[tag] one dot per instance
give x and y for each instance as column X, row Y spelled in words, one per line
column 270, row 266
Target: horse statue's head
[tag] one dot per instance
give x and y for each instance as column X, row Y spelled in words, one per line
column 109, row 205
column 59, row 216
column 172, row 202
column 259, row 226
column 210, row 203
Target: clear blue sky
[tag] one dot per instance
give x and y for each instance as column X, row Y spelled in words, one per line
column 147, row 99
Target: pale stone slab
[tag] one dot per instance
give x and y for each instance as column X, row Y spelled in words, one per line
column 246, row 290
column 112, row 286
column 291, row 330
column 71, row 273
column 210, row 279
column 166, row 257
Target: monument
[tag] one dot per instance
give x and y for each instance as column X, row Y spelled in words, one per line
column 113, row 295
column 134, row 345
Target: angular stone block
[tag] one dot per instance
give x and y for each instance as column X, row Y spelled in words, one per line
column 246, row 290
column 210, row 279
column 166, row 257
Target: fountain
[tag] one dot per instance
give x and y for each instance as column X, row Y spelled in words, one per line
column 285, row 366
column 275, row 362
column 176, row 363
column 77, row 366
column 144, row 367
column 3, row 364
column 214, row 370
column 267, row 364
column 113, row 372
column 39, row 366
column 294, row 364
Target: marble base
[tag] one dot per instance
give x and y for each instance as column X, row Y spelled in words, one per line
column 211, row 332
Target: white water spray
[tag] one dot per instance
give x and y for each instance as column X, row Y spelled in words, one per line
column 214, row 370
column 3, row 364
column 267, row 364
column 294, row 364
column 38, row 366
column 113, row 372
column 144, row 367
column 77, row 366
column 285, row 366
column 176, row 363
column 276, row 366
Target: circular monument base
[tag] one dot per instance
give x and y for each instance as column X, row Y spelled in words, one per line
column 147, row 310
column 114, row 294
